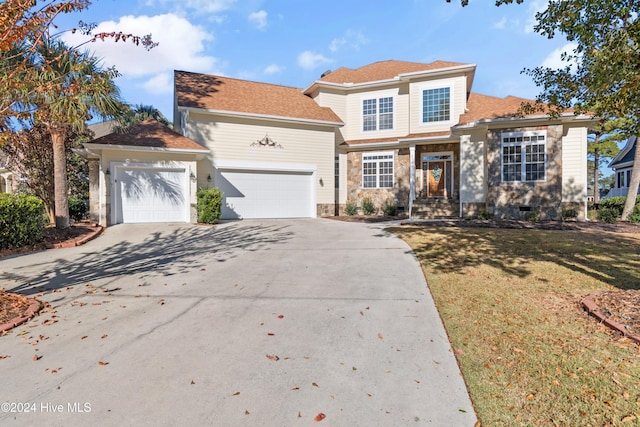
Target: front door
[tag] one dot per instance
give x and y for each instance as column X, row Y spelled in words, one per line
column 436, row 179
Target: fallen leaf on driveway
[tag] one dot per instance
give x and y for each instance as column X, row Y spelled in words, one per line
column 319, row 417
column 104, row 336
column 192, row 382
column 101, row 363
column 35, row 358
column 83, row 337
column 4, row 356
column 246, row 412
column 281, row 316
column 380, row 336
column 315, row 385
column 236, row 393
column 273, row 357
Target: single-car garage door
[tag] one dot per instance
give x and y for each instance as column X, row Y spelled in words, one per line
column 266, row 194
column 151, row 194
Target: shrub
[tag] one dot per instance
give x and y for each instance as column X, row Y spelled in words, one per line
column 78, row 208
column 635, row 216
column 616, row 203
column 484, row 215
column 22, row 220
column 209, row 205
column 390, row 207
column 569, row 213
column 533, row 216
column 351, row 208
column 367, row 206
column 609, row 215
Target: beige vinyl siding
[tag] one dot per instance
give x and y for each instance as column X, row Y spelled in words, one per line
column 473, row 181
column 458, row 93
column 353, row 120
column 574, row 165
column 231, row 138
column 337, row 101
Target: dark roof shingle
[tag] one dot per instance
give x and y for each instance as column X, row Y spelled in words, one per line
column 383, row 70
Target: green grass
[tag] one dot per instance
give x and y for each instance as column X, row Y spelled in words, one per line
column 509, row 300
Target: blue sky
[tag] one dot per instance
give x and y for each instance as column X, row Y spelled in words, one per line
column 293, row 42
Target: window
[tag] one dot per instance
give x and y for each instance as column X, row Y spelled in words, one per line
column 377, row 114
column 436, row 105
column 377, row 170
column 622, row 183
column 524, row 156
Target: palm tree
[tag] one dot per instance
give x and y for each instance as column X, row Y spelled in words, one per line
column 133, row 115
column 81, row 89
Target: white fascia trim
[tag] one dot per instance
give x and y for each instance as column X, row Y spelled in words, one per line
column 95, row 148
column 374, row 145
column 428, row 138
column 567, row 117
column 244, row 165
column 625, row 165
column 625, row 150
column 437, row 71
column 262, row 116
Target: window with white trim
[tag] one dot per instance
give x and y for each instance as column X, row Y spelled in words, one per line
column 524, row 156
column 436, row 105
column 377, row 114
column 377, row 170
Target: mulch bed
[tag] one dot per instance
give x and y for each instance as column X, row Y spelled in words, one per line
column 54, row 237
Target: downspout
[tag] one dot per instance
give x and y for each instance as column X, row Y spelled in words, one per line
column 412, row 176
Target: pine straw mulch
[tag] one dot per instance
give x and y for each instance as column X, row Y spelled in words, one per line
column 622, row 307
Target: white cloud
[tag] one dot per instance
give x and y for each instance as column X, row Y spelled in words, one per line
column 273, row 69
column 534, row 7
column 351, row 38
column 310, row 60
column 501, row 24
column 181, row 46
column 161, row 84
column 554, row 59
column 207, row 6
column 259, row 19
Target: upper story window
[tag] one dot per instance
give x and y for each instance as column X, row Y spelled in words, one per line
column 436, row 105
column 524, row 156
column 377, row 170
column 377, row 114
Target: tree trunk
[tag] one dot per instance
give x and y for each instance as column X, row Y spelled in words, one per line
column 632, row 191
column 61, row 205
column 596, row 174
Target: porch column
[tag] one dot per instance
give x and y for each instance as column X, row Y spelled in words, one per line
column 412, row 176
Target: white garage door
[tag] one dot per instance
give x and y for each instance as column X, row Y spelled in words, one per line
column 262, row 194
column 151, row 195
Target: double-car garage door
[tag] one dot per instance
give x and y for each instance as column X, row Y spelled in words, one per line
column 266, row 194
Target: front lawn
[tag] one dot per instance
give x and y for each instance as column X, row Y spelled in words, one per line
column 509, row 300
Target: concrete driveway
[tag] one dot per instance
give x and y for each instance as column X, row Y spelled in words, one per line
column 253, row 323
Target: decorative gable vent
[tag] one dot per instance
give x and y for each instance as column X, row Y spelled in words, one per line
column 266, row 142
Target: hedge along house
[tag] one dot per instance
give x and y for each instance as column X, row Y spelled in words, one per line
column 408, row 133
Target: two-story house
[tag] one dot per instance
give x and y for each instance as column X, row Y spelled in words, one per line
column 405, row 132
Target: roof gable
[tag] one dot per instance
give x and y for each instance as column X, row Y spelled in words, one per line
column 150, row 133
column 383, row 70
column 194, row 90
column 627, row 154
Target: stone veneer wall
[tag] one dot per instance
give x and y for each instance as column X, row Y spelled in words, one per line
column 401, row 183
column 504, row 199
column 325, row 209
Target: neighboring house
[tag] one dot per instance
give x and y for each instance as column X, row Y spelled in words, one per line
column 402, row 132
column 7, row 179
column 622, row 165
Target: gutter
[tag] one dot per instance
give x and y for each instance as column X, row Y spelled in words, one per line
column 261, row 116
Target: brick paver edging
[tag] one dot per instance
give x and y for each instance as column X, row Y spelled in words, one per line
column 593, row 309
column 82, row 241
column 32, row 310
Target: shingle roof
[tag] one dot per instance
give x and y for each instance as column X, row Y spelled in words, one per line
column 490, row 107
column 629, row 156
column 150, row 133
column 194, row 90
column 383, row 70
